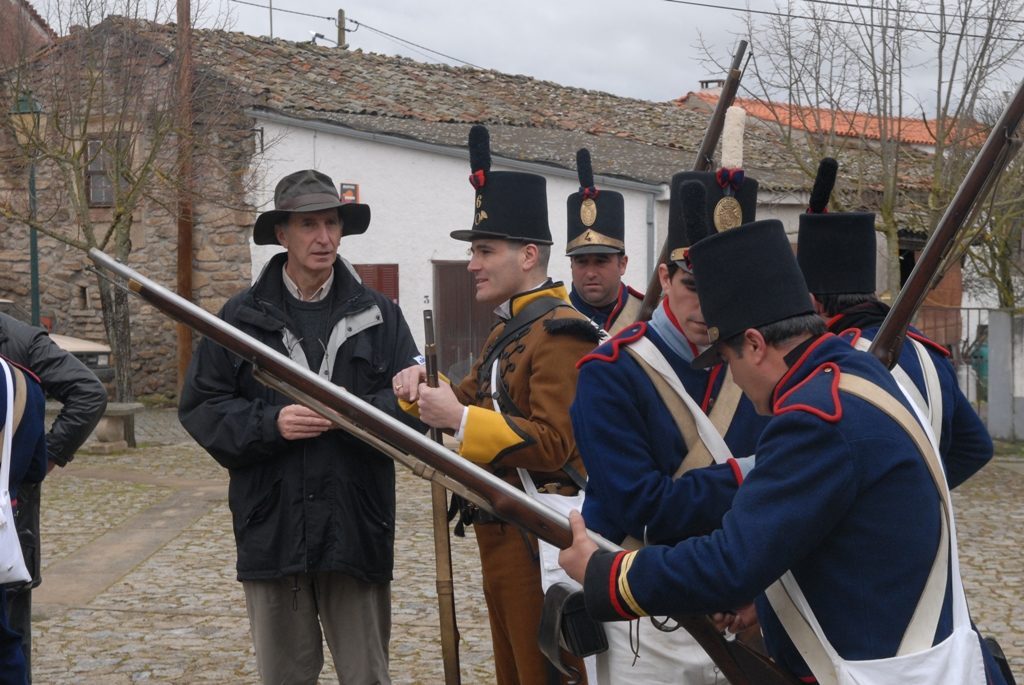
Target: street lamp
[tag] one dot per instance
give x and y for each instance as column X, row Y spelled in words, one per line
column 29, row 121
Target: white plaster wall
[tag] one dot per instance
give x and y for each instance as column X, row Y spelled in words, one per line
column 417, row 198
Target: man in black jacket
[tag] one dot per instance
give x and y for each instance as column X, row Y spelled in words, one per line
column 21, row 402
column 313, row 508
column 84, row 398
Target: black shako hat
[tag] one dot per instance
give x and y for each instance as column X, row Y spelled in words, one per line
column 690, row 199
column 596, row 218
column 308, row 191
column 746, row 277
column 721, row 215
column 510, row 205
column 836, row 251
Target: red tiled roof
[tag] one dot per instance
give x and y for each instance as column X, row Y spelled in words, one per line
column 841, row 122
column 36, row 17
column 530, row 120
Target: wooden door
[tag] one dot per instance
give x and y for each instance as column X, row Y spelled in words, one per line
column 461, row 324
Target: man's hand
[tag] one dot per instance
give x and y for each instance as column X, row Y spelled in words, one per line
column 297, row 422
column 736, row 621
column 575, row 559
column 406, row 382
column 439, row 408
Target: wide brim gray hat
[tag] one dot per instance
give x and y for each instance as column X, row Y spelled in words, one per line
column 308, row 191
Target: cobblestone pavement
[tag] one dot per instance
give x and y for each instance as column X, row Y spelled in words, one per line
column 139, row 582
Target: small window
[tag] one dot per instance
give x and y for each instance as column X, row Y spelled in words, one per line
column 100, row 171
column 380, row 277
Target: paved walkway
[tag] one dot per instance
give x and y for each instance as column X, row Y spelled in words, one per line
column 139, row 580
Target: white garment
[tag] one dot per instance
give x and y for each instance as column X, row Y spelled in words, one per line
column 665, row 658
column 12, row 563
column 957, row 660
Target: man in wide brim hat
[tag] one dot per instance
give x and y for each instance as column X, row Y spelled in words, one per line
column 288, row 470
column 308, row 191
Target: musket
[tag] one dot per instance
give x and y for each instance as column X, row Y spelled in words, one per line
column 703, row 162
column 425, row 458
column 442, row 540
column 1000, row 146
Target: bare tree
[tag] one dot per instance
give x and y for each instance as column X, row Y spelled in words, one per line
column 841, row 78
column 995, row 244
column 108, row 152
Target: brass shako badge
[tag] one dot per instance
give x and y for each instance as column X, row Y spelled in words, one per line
column 595, row 219
column 588, row 212
column 728, row 213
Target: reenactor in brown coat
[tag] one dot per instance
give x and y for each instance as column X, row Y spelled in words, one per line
column 512, row 409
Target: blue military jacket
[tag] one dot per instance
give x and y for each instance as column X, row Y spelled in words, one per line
column 631, row 446
column 840, row 496
column 964, row 444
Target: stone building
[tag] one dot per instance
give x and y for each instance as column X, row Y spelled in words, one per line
column 393, row 132
column 22, row 31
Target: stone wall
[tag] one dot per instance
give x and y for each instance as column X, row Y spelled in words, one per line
column 22, row 31
column 139, row 114
column 69, row 296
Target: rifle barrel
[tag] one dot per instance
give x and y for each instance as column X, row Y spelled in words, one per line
column 991, row 159
column 427, row 459
column 703, row 162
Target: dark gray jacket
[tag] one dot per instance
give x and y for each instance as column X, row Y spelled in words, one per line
column 64, row 378
column 318, row 504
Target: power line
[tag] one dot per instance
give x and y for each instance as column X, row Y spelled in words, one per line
column 787, row 15
column 278, row 9
column 415, row 45
column 853, row 5
column 359, row 24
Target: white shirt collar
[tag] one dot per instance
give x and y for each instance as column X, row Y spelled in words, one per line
column 320, row 293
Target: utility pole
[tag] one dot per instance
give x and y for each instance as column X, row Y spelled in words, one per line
column 185, row 166
column 270, row 5
column 342, row 33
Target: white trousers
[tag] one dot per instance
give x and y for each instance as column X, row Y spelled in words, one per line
column 665, row 658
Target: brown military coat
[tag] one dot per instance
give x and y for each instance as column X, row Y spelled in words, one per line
column 538, row 370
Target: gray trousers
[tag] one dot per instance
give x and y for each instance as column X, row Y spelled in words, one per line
column 286, row 616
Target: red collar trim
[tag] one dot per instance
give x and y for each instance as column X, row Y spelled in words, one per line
column 619, row 302
column 792, row 370
column 853, row 335
column 930, row 343
column 625, row 337
column 675, row 322
column 706, row 402
column 837, row 408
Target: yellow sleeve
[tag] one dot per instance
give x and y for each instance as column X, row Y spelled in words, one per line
column 413, row 408
column 488, row 435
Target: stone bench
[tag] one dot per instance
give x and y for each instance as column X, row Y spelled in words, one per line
column 110, row 431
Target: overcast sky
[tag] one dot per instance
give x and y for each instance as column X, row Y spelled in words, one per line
column 649, row 49
column 638, row 48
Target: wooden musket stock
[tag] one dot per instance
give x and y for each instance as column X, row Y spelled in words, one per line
column 442, row 539
column 703, row 162
column 425, row 458
column 995, row 154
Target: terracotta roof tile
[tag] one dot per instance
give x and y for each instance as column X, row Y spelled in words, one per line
column 530, row 119
column 844, row 123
